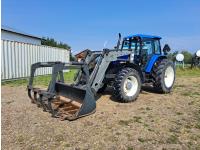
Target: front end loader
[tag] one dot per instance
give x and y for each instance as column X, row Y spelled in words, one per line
column 135, row 61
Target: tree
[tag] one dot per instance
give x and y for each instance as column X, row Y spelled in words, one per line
column 72, row 58
column 187, row 57
column 172, row 56
column 51, row 42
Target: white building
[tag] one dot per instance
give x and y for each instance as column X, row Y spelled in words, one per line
column 18, row 36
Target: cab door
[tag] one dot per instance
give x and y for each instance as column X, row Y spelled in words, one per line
column 149, row 48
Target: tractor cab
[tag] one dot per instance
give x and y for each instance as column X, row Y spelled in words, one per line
column 144, row 48
column 142, row 43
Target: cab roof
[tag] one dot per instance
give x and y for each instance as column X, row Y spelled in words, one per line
column 143, row 36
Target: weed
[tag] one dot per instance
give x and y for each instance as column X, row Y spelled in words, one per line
column 59, row 138
column 9, row 102
column 175, row 130
column 141, row 140
column 188, row 126
column 137, row 119
column 151, row 130
column 66, row 145
column 129, row 148
column 146, row 125
column 168, row 107
column 191, row 94
column 197, row 125
column 179, row 113
column 178, row 86
column 125, row 122
column 173, row 139
column 118, row 133
column 186, row 94
column 191, row 103
column 196, row 93
column 147, row 108
column 20, row 139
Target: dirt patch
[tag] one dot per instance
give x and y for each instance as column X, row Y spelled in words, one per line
column 154, row 121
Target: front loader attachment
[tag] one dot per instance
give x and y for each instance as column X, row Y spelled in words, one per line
column 60, row 99
column 75, row 103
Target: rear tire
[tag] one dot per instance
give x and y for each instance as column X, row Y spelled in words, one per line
column 127, row 85
column 164, row 76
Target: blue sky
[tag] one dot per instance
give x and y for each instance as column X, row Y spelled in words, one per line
column 89, row 23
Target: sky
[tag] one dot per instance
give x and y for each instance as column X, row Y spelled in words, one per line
column 90, row 23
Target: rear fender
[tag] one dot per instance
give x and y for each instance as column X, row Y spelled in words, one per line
column 152, row 61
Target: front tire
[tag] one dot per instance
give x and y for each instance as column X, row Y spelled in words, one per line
column 164, row 76
column 127, row 85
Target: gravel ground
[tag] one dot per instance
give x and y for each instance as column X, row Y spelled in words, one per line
column 154, row 121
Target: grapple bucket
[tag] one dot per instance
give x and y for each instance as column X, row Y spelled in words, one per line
column 62, row 100
column 73, row 102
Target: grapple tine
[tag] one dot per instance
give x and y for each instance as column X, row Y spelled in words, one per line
column 30, row 96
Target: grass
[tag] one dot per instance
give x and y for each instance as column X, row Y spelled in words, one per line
column 44, row 80
column 41, row 80
column 187, row 72
column 173, row 139
column 191, row 94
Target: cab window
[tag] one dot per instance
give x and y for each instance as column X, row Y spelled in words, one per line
column 125, row 45
column 147, row 47
column 157, row 49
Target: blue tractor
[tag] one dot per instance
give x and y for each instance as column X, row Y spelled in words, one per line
column 135, row 61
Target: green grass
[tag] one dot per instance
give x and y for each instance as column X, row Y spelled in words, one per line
column 44, row 80
column 187, row 72
column 41, row 80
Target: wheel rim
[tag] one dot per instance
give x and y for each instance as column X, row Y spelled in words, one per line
column 130, row 85
column 169, row 76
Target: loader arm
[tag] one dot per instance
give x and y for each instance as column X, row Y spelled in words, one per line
column 101, row 67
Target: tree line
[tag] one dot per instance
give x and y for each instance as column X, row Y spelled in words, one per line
column 187, row 56
column 52, row 42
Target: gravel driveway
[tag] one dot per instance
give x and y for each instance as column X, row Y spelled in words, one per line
column 154, row 121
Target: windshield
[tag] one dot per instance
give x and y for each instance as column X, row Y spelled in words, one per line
column 132, row 45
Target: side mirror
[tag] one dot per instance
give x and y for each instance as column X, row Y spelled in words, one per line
column 166, row 48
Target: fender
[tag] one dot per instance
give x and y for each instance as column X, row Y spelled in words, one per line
column 152, row 61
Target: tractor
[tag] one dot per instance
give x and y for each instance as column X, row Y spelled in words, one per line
column 135, row 61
